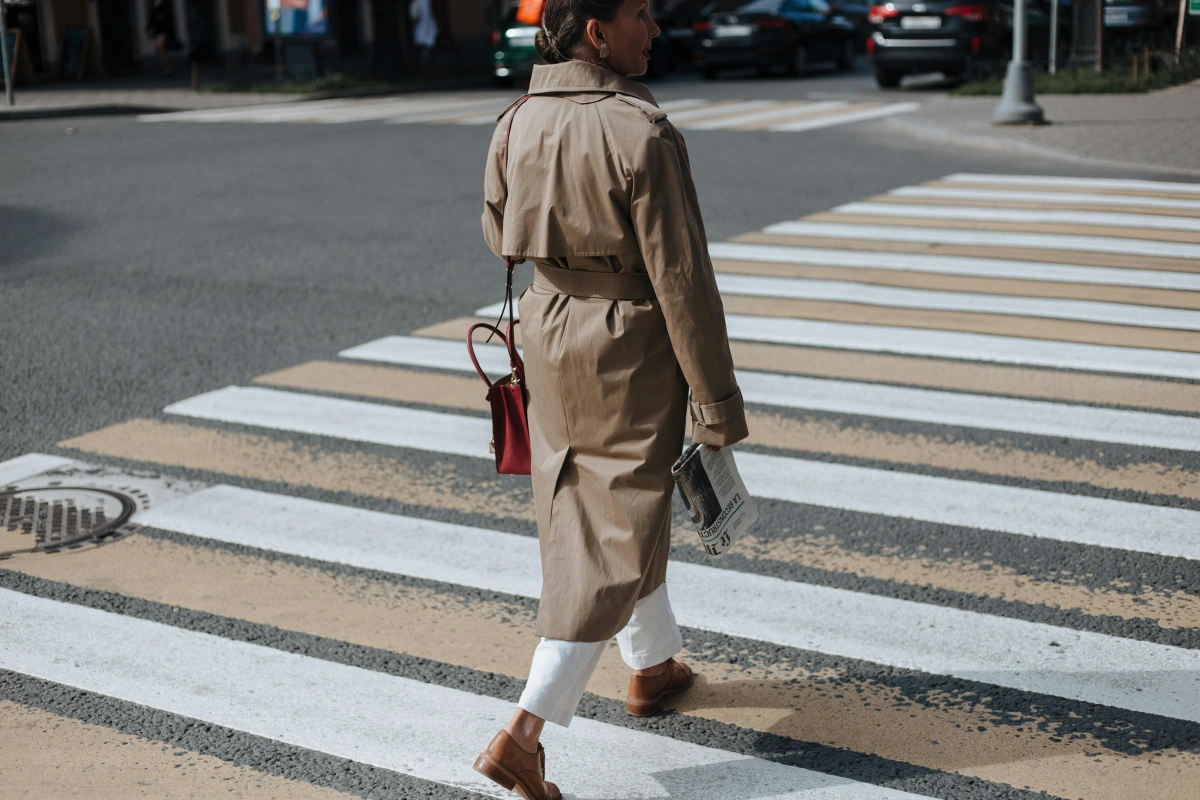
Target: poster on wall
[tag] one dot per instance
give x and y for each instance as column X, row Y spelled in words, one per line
column 297, row 17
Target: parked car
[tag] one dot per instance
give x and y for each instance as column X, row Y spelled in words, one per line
column 912, row 36
column 678, row 37
column 515, row 53
column 857, row 12
column 773, row 33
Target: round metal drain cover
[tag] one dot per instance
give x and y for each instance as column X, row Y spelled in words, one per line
column 57, row 518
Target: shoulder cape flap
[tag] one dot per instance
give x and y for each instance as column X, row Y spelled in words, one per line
column 652, row 112
column 504, row 113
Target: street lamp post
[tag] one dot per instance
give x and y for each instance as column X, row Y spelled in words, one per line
column 1017, row 105
column 4, row 55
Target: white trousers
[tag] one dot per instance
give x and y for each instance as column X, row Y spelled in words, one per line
column 561, row 670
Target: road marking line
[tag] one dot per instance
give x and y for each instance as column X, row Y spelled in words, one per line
column 388, row 110
column 29, row 465
column 957, row 265
column 1008, row 509
column 788, row 110
column 1090, row 667
column 899, row 297
column 1073, row 183
column 1065, row 198
column 722, row 108
column 960, row 345
column 1137, row 428
column 427, row 731
column 965, row 346
column 980, row 214
column 845, row 119
column 483, row 108
column 1042, row 241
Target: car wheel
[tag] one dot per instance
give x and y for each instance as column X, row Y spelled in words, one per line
column 799, row 64
column 849, row 54
column 709, row 73
column 887, row 79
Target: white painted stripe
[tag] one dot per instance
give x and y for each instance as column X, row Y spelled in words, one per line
column 957, row 265
column 1022, row 216
column 898, row 297
column 683, row 104
column 1091, row 667
column 865, row 114
column 427, row 731
column 1074, row 183
column 1018, row 196
column 721, row 108
column 1044, row 241
column 965, row 346
column 868, row 399
column 391, row 109
column 1030, row 512
column 482, row 108
column 795, row 109
column 28, row 465
column 480, row 119
column 1137, row 428
column 342, row 419
column 241, row 113
column 955, row 344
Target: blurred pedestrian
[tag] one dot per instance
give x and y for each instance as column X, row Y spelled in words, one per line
column 161, row 26
column 588, row 179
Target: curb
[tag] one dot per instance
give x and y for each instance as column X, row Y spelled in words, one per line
column 945, row 135
column 107, row 110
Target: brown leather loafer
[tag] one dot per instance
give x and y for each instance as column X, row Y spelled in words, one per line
column 513, row 768
column 646, row 693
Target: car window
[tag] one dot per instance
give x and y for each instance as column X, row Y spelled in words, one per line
column 761, row 7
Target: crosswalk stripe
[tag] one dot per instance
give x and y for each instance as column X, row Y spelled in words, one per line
column 432, row 732
column 1047, row 241
column 862, row 439
column 968, row 346
column 864, row 115
column 1134, row 185
column 465, row 114
column 965, row 346
column 723, row 108
column 1043, row 198
column 28, row 465
column 976, row 213
column 1008, row 509
column 787, row 699
column 900, row 633
column 756, row 117
column 896, row 297
column 392, row 109
column 233, row 114
column 852, row 397
column 956, row 265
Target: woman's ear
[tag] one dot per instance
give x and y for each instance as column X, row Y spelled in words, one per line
column 595, row 35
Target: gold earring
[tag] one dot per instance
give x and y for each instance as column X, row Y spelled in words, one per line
column 604, row 49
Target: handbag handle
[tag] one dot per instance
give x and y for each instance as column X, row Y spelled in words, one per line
column 514, row 358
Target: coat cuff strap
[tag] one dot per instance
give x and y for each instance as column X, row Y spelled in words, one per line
column 715, row 413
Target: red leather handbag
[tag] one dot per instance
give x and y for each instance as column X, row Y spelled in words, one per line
column 510, row 425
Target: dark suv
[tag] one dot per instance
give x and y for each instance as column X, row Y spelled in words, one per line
column 910, row 36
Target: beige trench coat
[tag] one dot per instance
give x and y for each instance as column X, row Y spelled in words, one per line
column 597, row 179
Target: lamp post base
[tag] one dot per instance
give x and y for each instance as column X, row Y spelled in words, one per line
column 1017, row 106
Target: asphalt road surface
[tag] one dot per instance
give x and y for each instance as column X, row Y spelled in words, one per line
column 257, row 549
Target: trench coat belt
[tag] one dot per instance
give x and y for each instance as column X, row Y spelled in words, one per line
column 582, row 283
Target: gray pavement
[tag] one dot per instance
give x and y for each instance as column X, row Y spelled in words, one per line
column 1156, row 130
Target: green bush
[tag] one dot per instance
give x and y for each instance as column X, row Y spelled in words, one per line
column 1164, row 71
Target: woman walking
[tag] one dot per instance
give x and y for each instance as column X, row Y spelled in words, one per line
column 588, row 179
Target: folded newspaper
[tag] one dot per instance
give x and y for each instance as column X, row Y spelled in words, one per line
column 713, row 492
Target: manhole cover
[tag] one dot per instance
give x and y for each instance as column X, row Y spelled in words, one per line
column 56, row 518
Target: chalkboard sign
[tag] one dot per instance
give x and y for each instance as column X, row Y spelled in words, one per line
column 74, row 53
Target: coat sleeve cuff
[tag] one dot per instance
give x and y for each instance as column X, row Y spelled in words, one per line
column 719, row 424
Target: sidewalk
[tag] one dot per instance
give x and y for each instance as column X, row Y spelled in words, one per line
column 1158, row 131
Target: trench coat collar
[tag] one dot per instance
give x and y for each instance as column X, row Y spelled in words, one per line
column 579, row 76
